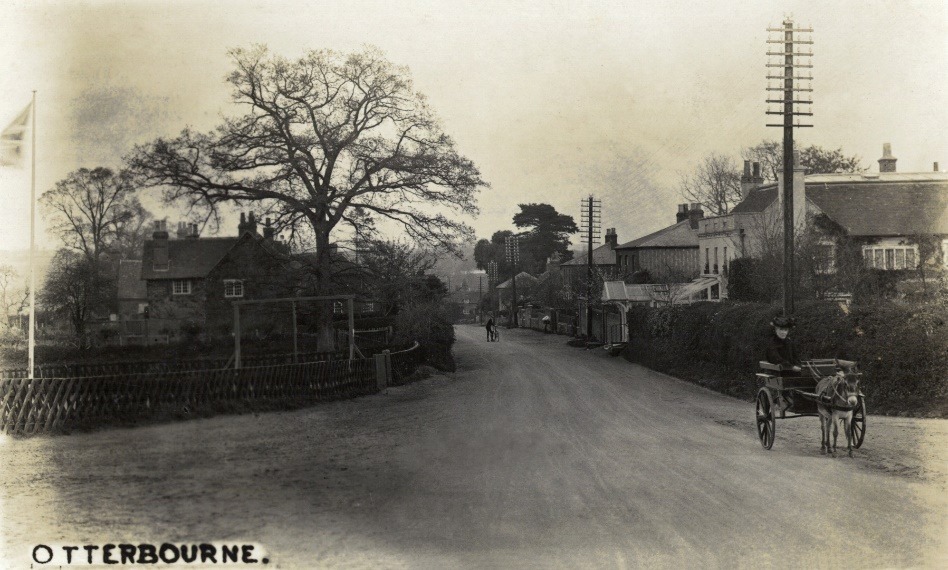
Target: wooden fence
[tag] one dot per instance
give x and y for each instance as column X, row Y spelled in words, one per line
column 57, row 404
column 120, row 368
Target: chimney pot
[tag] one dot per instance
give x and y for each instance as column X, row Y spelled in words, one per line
column 887, row 162
column 756, row 170
column 936, row 167
column 747, row 168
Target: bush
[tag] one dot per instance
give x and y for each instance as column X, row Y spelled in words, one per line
column 902, row 351
column 429, row 323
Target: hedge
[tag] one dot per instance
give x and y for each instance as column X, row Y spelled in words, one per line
column 430, row 324
column 902, row 351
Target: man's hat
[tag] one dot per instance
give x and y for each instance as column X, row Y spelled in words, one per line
column 783, row 322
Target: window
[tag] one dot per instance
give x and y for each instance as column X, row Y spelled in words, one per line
column 707, row 260
column 337, row 307
column 715, row 260
column 368, row 307
column 891, row 258
column 181, row 287
column 233, row 288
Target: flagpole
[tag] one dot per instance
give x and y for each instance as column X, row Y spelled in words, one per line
column 32, row 335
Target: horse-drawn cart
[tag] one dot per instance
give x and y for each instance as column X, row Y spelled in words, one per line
column 788, row 393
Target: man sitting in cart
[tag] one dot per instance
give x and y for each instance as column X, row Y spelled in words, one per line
column 781, row 350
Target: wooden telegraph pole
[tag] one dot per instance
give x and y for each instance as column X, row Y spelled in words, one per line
column 788, row 102
column 513, row 257
column 591, row 209
column 491, row 279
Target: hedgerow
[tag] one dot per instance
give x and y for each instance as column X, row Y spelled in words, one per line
column 902, row 351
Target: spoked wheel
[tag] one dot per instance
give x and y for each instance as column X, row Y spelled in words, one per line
column 859, row 423
column 766, row 421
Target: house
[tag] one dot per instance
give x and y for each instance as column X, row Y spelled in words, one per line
column 525, row 284
column 883, row 211
column 670, row 253
column 603, row 257
column 190, row 282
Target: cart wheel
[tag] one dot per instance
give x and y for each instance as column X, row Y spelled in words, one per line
column 859, row 423
column 766, row 421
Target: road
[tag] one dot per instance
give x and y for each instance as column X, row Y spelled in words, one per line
column 532, row 455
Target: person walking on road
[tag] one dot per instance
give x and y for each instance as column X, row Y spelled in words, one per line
column 490, row 327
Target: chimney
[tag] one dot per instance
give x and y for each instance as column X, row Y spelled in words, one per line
column 268, row 231
column 799, row 191
column 160, row 235
column 193, row 231
column 695, row 214
column 936, row 167
column 751, row 178
column 247, row 224
column 612, row 239
column 682, row 214
column 182, row 230
column 887, row 162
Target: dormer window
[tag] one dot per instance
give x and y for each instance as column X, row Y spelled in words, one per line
column 233, row 288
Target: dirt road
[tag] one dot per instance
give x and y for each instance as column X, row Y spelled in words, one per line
column 532, row 455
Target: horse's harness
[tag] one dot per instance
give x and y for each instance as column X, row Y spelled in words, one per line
column 837, row 396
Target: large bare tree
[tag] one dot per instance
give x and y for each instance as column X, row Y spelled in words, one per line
column 326, row 142
column 715, row 184
column 90, row 210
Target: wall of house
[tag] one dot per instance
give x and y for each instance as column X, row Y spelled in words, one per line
column 680, row 262
column 185, row 310
column 264, row 276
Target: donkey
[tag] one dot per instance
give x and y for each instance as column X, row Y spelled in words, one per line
column 838, row 397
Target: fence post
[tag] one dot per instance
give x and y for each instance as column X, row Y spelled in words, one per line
column 383, row 369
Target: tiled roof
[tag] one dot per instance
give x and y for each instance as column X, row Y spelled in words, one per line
column 757, row 201
column 188, row 258
column 602, row 255
column 677, row 235
column 130, row 283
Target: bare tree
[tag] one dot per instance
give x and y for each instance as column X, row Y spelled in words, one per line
column 12, row 298
column 74, row 290
column 329, row 141
column 814, row 159
column 715, row 184
column 90, row 209
column 769, row 153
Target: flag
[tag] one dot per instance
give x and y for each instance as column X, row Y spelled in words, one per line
column 13, row 139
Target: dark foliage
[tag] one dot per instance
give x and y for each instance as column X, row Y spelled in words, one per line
column 902, row 351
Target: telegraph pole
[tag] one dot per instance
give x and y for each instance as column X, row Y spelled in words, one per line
column 513, row 257
column 480, row 299
column 491, row 278
column 784, row 83
column 591, row 209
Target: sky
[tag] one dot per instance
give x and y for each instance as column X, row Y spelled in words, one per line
column 552, row 100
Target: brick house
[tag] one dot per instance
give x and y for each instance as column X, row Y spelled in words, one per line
column 604, row 260
column 190, row 282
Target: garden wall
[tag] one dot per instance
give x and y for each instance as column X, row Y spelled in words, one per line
column 902, row 351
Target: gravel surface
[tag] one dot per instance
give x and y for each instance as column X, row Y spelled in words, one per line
column 533, row 454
